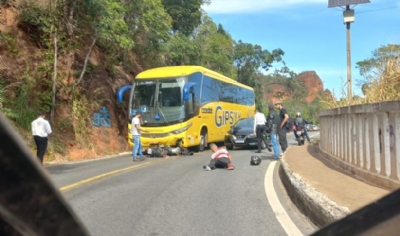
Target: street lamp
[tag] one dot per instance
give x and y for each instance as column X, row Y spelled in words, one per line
column 348, row 18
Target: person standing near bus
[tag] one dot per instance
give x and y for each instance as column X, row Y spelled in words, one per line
column 40, row 130
column 273, row 122
column 259, row 127
column 282, row 128
column 136, row 132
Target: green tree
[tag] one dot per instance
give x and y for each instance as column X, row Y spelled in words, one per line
column 370, row 69
column 380, row 74
column 182, row 51
column 149, row 26
column 216, row 47
column 249, row 58
column 111, row 26
column 186, row 14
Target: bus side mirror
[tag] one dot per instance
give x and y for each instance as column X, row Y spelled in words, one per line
column 187, row 91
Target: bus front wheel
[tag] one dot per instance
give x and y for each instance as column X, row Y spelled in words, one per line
column 203, row 141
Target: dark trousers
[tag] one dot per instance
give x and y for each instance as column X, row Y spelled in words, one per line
column 260, row 130
column 219, row 163
column 283, row 139
column 41, row 146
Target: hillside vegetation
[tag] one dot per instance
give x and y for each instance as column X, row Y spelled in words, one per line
column 70, row 57
column 379, row 79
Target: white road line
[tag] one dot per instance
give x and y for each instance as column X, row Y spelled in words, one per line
column 280, row 213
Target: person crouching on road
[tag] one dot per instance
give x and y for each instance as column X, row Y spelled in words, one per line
column 219, row 159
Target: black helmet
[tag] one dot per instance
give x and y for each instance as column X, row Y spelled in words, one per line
column 255, row 160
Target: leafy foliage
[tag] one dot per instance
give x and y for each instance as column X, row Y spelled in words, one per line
column 186, row 14
column 215, row 46
column 38, row 21
column 111, row 26
column 381, row 74
column 248, row 59
column 379, row 81
column 182, row 51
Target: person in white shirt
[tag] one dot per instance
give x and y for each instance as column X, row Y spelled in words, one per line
column 136, row 131
column 40, row 130
column 259, row 127
column 220, row 158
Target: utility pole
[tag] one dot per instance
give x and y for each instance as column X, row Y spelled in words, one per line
column 348, row 18
column 349, row 83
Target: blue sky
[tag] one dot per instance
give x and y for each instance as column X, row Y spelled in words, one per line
column 312, row 35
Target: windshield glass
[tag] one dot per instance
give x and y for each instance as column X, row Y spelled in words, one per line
column 245, row 123
column 160, row 100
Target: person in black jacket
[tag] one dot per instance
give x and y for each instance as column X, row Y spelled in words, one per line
column 284, row 117
column 300, row 123
column 273, row 122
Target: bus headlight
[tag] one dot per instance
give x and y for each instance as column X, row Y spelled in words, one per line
column 178, row 131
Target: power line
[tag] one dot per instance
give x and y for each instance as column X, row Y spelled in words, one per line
column 382, row 9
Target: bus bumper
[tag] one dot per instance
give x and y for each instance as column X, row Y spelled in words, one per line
column 170, row 141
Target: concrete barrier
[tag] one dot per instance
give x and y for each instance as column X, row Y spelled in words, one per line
column 316, row 206
column 365, row 140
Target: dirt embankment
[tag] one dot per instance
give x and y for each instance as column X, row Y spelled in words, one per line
column 101, row 129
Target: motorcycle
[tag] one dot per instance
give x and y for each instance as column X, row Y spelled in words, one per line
column 301, row 136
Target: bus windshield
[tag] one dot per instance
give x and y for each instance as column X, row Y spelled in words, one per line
column 160, row 100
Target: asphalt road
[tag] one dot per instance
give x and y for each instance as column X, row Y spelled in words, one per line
column 175, row 196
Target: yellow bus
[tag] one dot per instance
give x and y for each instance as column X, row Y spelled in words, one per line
column 187, row 106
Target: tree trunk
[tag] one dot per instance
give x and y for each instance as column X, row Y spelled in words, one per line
column 53, row 104
column 84, row 65
column 70, row 18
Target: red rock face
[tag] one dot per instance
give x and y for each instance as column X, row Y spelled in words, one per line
column 313, row 83
column 276, row 92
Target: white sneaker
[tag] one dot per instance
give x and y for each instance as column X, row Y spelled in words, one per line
column 207, row 168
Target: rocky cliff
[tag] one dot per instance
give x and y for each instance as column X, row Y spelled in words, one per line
column 312, row 82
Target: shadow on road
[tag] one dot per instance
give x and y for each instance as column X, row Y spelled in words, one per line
column 59, row 169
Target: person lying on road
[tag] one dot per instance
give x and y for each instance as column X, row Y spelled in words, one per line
column 219, row 159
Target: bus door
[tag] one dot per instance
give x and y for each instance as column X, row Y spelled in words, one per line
column 190, row 99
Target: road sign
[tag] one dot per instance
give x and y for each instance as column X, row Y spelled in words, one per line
column 338, row 3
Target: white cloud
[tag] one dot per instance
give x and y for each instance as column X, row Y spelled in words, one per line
column 240, row 6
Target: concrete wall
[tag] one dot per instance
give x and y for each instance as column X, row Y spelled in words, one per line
column 365, row 140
